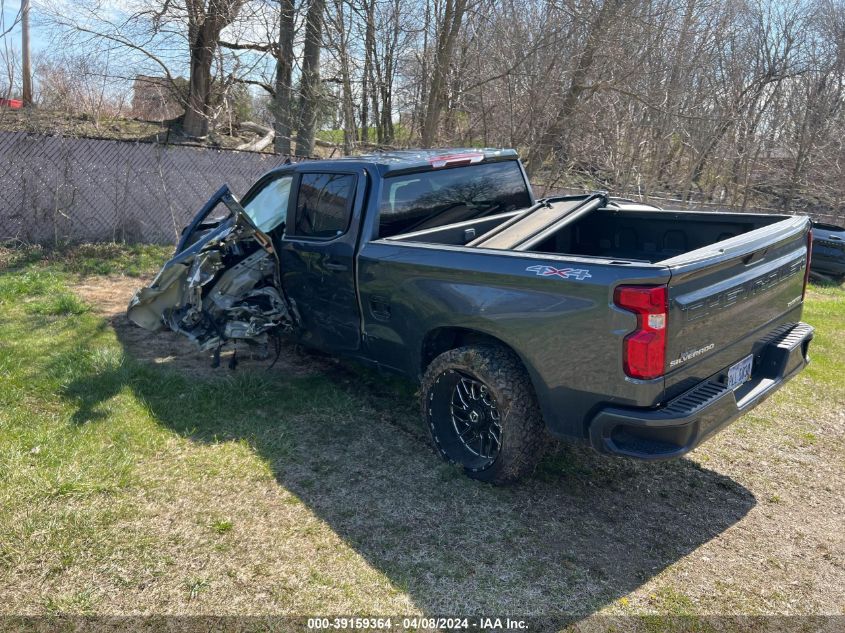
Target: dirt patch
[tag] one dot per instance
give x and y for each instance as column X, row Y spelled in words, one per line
column 109, row 295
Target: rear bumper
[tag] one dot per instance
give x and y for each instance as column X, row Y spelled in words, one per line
column 687, row 420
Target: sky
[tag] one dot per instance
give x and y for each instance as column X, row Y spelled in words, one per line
column 38, row 37
column 42, row 38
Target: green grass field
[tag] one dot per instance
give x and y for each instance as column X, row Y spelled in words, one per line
column 133, row 484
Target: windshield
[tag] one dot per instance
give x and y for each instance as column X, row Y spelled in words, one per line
column 268, row 207
column 413, row 202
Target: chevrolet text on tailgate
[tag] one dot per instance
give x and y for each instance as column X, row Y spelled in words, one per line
column 640, row 330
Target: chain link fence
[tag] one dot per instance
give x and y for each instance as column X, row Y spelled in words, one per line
column 56, row 189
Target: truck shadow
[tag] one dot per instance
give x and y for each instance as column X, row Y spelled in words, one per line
column 581, row 533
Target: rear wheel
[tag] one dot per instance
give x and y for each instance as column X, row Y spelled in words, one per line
column 482, row 413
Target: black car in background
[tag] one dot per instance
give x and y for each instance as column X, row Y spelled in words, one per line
column 828, row 249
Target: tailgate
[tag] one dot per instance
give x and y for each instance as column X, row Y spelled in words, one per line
column 726, row 297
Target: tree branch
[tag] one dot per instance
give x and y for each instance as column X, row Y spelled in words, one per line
column 254, row 82
column 262, row 48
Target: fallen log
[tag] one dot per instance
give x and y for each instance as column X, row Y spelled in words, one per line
column 260, row 143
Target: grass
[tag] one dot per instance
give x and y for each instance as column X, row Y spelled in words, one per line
column 131, row 260
column 112, row 259
column 221, row 526
column 129, row 486
column 402, row 136
column 61, row 304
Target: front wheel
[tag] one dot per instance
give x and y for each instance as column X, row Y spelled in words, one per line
column 481, row 410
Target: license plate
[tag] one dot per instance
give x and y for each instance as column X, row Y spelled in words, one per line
column 740, row 372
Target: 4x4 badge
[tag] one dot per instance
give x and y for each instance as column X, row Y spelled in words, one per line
column 550, row 271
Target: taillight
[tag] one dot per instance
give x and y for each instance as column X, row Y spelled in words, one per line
column 809, row 257
column 644, row 348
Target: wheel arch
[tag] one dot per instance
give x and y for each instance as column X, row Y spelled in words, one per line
column 443, row 339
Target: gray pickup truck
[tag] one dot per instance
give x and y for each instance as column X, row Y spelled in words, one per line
column 642, row 331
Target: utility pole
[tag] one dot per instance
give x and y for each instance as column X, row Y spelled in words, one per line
column 25, row 61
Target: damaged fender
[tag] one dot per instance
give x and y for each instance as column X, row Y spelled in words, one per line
column 222, row 286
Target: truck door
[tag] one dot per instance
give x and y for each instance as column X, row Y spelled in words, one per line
column 317, row 254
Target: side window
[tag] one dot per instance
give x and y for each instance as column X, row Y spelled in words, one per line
column 268, row 208
column 323, row 206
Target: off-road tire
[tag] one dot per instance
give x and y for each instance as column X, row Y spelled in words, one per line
column 522, row 427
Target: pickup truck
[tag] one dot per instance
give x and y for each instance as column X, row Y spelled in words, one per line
column 639, row 330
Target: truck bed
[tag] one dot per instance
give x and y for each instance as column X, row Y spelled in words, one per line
column 577, row 226
column 650, row 236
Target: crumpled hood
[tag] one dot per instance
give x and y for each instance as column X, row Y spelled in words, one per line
column 148, row 305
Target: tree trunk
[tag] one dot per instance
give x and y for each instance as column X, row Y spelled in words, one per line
column 553, row 137
column 347, row 101
column 310, row 83
column 666, row 123
column 453, row 16
column 283, row 98
column 26, row 66
column 195, row 122
column 421, row 88
column 367, row 83
column 349, row 132
column 389, row 75
column 204, row 26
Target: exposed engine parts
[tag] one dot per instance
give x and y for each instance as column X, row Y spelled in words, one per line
column 226, row 292
column 226, row 301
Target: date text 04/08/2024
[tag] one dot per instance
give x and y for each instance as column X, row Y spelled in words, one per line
column 414, row 623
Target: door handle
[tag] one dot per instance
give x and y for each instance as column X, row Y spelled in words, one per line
column 336, row 266
column 755, row 256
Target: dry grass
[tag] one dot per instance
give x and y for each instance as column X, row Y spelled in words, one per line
column 143, row 483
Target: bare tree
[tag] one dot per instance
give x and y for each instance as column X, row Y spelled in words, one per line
column 310, row 86
column 448, row 28
column 736, row 103
column 341, row 23
column 26, row 62
column 205, row 22
column 367, row 77
column 386, row 51
column 283, row 97
column 164, row 33
column 8, row 52
column 79, row 84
